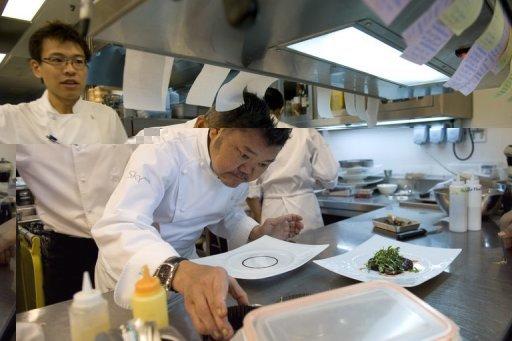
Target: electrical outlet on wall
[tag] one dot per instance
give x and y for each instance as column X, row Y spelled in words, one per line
column 479, row 135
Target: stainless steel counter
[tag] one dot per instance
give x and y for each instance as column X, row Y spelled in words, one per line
column 475, row 292
column 350, row 206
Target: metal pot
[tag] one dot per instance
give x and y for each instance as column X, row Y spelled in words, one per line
column 491, row 199
column 356, row 163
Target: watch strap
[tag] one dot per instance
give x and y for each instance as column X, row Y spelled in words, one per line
column 170, row 265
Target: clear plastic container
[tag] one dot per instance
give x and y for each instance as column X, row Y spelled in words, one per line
column 376, row 310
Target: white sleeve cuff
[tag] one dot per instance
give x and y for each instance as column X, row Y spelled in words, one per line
column 240, row 234
column 152, row 255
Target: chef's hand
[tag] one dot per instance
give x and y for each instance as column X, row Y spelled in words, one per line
column 205, row 289
column 283, row 227
column 7, row 240
column 506, row 222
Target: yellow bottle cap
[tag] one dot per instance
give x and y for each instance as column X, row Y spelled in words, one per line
column 148, row 284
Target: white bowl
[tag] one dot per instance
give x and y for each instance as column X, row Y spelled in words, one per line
column 387, row 189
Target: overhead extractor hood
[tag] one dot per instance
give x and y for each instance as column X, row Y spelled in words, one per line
column 199, row 30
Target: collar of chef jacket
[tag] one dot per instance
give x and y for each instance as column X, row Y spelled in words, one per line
column 48, row 109
column 46, row 114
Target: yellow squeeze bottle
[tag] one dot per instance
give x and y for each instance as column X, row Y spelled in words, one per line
column 88, row 314
column 149, row 302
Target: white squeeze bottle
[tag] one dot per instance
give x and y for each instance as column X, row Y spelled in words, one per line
column 88, row 314
column 458, row 206
column 474, row 204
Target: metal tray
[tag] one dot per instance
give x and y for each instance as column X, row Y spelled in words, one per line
column 383, row 223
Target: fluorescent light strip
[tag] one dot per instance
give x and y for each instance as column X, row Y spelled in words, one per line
column 415, row 120
column 22, row 9
column 386, row 123
column 2, row 56
column 355, row 49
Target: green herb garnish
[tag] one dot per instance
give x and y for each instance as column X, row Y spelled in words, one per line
column 388, row 261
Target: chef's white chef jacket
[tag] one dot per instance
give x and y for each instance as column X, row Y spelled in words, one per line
column 32, row 122
column 287, row 184
column 157, row 134
column 71, row 183
column 167, row 195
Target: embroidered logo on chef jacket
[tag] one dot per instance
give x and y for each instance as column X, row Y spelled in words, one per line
column 137, row 177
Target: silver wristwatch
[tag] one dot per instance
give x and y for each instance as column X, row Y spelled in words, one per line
column 166, row 271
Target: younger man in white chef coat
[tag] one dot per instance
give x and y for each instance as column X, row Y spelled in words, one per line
column 169, row 192
column 59, row 58
column 71, row 183
column 287, row 185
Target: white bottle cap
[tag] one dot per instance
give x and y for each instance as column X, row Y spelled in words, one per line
column 88, row 297
column 458, row 181
column 474, row 180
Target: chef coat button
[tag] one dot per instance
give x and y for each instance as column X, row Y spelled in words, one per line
column 184, row 172
column 115, row 178
column 82, row 179
column 201, row 163
column 78, row 148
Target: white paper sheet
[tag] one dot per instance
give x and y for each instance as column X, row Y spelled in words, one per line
column 430, row 43
column 145, row 80
column 430, row 261
column 366, row 108
column 493, row 33
column 477, row 64
column 323, row 100
column 361, row 107
column 506, row 86
column 387, row 10
column 206, row 85
column 372, row 110
column 350, row 103
column 259, row 84
column 505, row 57
column 230, row 95
column 418, row 29
column 264, row 257
column 461, row 14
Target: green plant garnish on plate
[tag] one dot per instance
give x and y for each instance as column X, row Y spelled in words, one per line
column 388, row 261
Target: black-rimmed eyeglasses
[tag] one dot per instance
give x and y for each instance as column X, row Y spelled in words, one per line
column 78, row 62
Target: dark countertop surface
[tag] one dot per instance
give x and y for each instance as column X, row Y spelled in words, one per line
column 475, row 291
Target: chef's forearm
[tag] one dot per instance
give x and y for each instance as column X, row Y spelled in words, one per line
column 255, row 206
column 256, row 233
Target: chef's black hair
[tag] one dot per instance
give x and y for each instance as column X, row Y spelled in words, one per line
column 276, row 136
column 254, row 113
column 274, row 99
column 59, row 31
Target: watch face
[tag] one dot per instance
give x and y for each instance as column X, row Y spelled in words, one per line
column 164, row 272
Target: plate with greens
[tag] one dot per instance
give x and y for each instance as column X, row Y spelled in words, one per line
column 383, row 258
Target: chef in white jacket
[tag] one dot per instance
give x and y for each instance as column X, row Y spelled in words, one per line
column 67, row 155
column 305, row 162
column 169, row 192
column 59, row 58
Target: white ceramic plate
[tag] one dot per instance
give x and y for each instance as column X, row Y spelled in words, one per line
column 430, row 262
column 265, row 257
